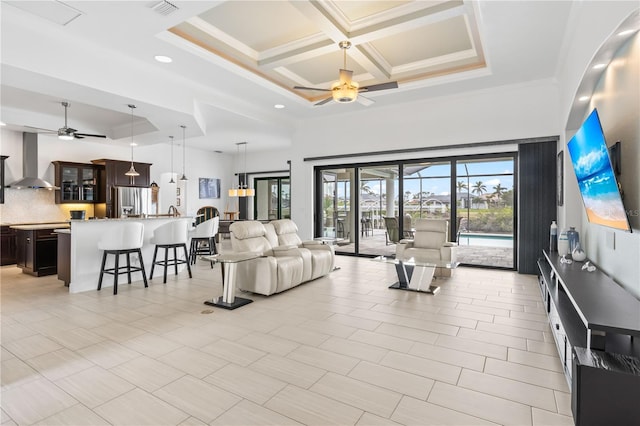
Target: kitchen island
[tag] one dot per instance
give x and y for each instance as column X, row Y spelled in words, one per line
column 36, row 248
column 85, row 257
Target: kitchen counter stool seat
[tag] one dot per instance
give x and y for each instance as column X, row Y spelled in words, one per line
column 203, row 239
column 172, row 235
column 126, row 239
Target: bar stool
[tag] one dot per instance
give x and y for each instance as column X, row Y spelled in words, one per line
column 170, row 236
column 203, row 239
column 125, row 238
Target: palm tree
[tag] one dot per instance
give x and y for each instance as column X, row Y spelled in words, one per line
column 498, row 190
column 479, row 188
column 461, row 185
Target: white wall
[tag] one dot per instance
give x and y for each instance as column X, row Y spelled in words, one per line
column 617, row 99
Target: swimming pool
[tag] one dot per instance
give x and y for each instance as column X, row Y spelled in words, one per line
column 486, row 240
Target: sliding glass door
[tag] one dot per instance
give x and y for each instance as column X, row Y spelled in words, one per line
column 370, row 207
column 378, row 206
column 273, row 198
column 485, row 211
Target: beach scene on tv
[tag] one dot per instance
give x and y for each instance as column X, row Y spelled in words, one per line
column 597, row 183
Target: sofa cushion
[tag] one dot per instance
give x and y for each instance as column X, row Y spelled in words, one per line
column 248, row 229
column 287, row 232
column 270, row 234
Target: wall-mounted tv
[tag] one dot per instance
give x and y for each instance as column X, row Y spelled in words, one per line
column 596, row 180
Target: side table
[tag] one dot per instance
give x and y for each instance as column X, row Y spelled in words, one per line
column 408, row 280
column 229, row 262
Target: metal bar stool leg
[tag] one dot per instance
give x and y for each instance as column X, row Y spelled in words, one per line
column 115, row 273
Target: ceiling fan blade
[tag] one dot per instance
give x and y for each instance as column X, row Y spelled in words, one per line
column 83, row 135
column 40, row 128
column 77, row 136
column 346, row 76
column 381, row 86
column 68, row 130
column 324, row 101
column 311, row 88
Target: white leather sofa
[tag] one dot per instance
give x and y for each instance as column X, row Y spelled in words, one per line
column 322, row 255
column 281, row 266
column 430, row 243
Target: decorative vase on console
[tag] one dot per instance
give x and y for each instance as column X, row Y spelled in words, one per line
column 578, row 254
column 574, row 238
column 563, row 244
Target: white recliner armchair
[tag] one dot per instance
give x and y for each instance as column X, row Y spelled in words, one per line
column 278, row 268
column 322, row 256
column 430, row 243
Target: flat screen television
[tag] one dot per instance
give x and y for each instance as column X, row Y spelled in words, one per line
column 596, row 179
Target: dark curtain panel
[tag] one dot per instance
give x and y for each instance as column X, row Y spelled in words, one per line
column 537, row 201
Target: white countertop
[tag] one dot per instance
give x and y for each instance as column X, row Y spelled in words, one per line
column 40, row 226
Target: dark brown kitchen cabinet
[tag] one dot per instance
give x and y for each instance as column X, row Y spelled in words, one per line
column 7, row 246
column 78, row 183
column 114, row 175
column 37, row 251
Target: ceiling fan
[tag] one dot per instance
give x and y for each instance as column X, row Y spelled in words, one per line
column 66, row 132
column 346, row 90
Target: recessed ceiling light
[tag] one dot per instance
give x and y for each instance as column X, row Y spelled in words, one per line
column 599, row 66
column 2, row 123
column 163, row 59
column 133, row 144
column 278, row 106
column 625, row 32
column 584, row 98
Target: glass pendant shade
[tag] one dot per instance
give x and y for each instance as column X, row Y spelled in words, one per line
column 132, row 170
column 184, row 154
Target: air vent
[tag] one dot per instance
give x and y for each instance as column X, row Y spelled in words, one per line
column 164, row 8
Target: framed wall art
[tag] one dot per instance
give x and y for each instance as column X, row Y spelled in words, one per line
column 209, row 188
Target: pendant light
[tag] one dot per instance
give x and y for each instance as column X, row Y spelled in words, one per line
column 184, row 153
column 132, row 170
column 233, row 192
column 243, row 189
column 171, row 181
column 248, row 192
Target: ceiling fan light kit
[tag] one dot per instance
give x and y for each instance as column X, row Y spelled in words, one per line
column 345, row 90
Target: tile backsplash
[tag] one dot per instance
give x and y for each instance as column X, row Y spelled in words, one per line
column 36, row 206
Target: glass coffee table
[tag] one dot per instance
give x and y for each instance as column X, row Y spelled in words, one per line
column 229, row 262
column 416, row 274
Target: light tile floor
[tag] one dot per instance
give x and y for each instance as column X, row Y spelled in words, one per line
column 341, row 350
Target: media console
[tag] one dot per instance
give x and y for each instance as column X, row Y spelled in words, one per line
column 596, row 327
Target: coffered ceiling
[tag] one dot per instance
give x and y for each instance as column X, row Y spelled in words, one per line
column 295, row 43
column 234, row 60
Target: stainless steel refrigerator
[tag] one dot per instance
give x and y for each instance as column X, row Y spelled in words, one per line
column 132, row 201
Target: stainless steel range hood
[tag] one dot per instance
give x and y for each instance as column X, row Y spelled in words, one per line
column 30, row 165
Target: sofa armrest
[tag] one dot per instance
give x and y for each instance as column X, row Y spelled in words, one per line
column 290, row 250
column 402, row 246
column 449, row 252
column 313, row 246
column 312, row 243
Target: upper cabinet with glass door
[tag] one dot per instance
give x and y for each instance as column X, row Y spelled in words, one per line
column 78, row 182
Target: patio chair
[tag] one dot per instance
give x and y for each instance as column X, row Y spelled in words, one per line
column 392, row 236
column 406, row 225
